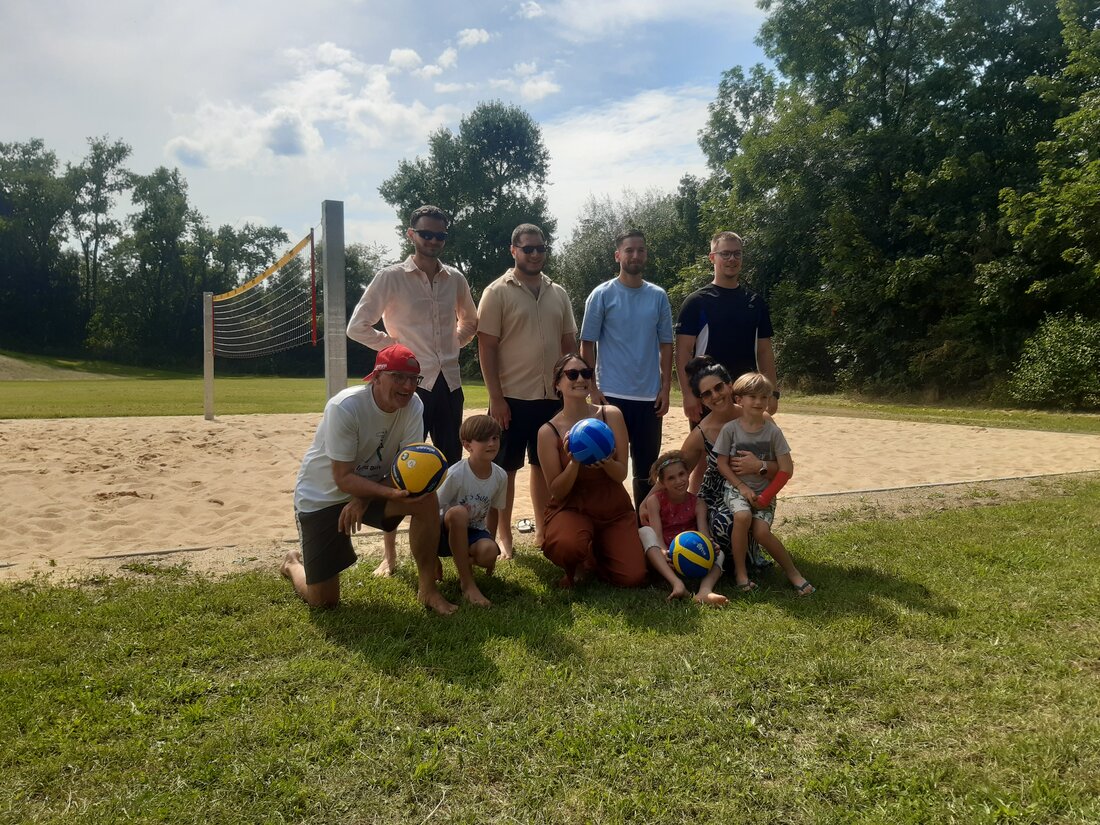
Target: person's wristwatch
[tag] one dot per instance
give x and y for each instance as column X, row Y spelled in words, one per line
column 763, row 468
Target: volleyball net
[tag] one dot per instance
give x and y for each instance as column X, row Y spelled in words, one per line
column 273, row 312
column 278, row 310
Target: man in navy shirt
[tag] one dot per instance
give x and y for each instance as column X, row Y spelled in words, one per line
column 726, row 321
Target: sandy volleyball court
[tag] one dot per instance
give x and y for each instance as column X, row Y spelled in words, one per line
column 82, row 495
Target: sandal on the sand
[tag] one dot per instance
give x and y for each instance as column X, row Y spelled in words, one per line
column 747, row 587
column 804, row 589
column 525, row 525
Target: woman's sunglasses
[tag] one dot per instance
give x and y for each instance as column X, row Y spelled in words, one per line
column 573, row 375
column 713, row 390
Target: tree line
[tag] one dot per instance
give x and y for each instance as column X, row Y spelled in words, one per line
column 917, row 181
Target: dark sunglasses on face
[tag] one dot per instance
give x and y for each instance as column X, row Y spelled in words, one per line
column 531, row 250
column 428, row 235
column 573, row 375
column 713, row 390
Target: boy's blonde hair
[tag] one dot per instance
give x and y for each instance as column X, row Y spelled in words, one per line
column 663, row 462
column 478, row 428
column 752, row 383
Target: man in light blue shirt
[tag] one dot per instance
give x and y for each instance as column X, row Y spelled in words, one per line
column 627, row 334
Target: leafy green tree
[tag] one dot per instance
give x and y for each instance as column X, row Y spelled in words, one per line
column 490, row 177
column 95, row 182
column 38, row 278
column 866, row 180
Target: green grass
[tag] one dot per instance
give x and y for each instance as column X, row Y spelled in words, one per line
column 970, row 415
column 113, row 397
column 129, row 391
column 946, row 671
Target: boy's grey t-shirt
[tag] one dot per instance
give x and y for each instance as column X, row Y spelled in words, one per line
column 767, row 445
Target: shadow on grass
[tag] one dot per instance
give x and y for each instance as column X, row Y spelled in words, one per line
column 852, row 590
column 386, row 628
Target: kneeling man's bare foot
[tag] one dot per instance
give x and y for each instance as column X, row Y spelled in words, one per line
column 475, row 597
column 434, row 600
column 713, row 599
column 293, row 558
column 386, row 568
column 679, row 591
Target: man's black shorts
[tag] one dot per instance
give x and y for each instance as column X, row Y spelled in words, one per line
column 522, row 434
column 325, row 550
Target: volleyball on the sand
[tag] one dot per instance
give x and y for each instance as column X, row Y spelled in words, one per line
column 691, row 554
column 419, row 468
column 590, row 440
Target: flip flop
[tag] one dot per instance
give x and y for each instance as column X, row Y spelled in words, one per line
column 805, row 589
column 525, row 525
column 747, row 587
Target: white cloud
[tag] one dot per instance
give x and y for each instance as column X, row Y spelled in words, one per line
column 404, row 59
column 448, row 59
column 584, row 21
column 429, row 71
column 536, row 88
column 451, row 88
column 472, row 37
column 530, row 10
column 647, row 141
column 524, row 69
column 330, row 93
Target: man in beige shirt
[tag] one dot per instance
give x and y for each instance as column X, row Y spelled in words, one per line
column 525, row 324
column 426, row 306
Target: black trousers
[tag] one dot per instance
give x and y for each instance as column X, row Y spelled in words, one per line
column 443, row 417
column 643, row 428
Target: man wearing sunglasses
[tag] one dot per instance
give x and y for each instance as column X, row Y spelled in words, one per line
column 343, row 483
column 525, row 324
column 726, row 321
column 627, row 334
column 425, row 305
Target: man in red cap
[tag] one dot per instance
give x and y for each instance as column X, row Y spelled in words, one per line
column 343, row 483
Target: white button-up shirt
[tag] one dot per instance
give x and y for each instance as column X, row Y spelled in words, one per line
column 434, row 318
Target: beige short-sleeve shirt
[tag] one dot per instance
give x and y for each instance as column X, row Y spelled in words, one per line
column 530, row 330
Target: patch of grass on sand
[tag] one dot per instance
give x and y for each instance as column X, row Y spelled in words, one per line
column 945, row 671
column 973, row 416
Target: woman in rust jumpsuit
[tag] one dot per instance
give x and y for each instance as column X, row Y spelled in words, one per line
column 590, row 522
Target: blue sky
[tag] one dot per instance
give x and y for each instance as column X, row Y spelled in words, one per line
column 271, row 107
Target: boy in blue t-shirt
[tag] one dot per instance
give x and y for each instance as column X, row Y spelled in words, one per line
column 472, row 488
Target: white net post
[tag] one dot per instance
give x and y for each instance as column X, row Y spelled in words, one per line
column 336, row 342
column 208, row 355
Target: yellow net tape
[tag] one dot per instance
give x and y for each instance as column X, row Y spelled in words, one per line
column 267, row 273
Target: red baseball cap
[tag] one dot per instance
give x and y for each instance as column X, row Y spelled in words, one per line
column 395, row 358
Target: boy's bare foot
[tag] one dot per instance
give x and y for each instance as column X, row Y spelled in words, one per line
column 435, row 601
column 713, row 599
column 475, row 597
column 291, row 559
column 505, row 542
column 386, row 568
column 679, row 591
column 438, row 570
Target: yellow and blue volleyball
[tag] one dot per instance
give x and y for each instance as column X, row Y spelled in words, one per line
column 418, row 468
column 590, row 440
column 691, row 554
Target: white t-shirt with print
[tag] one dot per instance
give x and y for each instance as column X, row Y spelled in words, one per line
column 354, row 429
column 462, row 487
